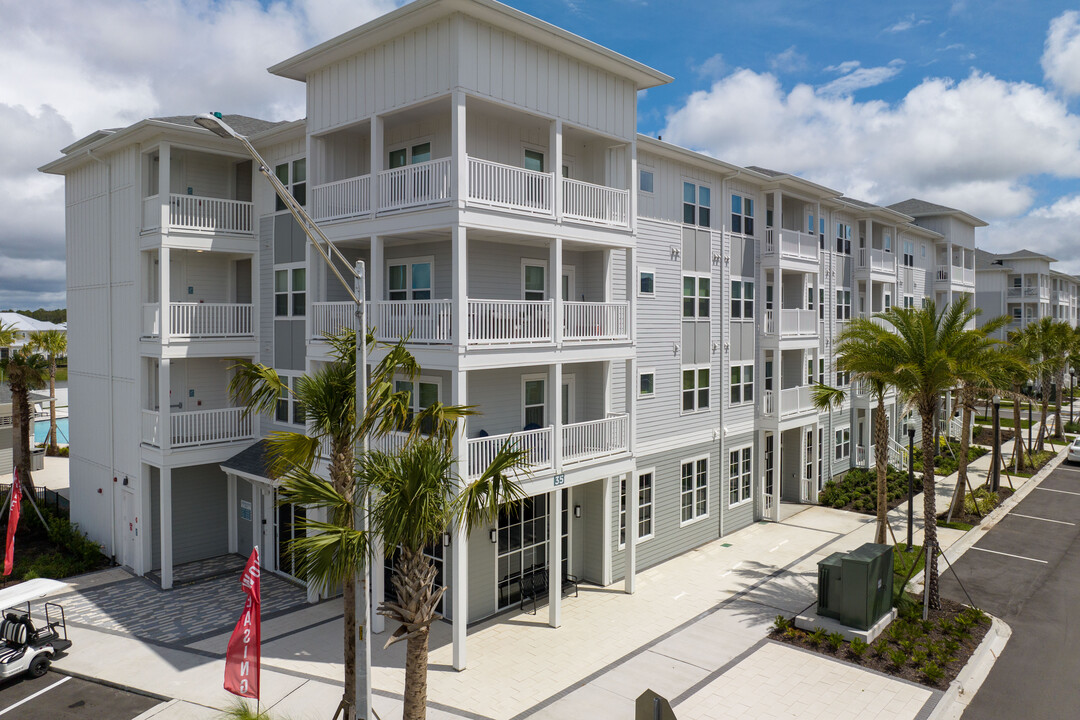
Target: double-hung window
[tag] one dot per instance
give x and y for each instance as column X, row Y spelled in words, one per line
column 843, row 444
column 843, row 304
column 697, row 204
column 534, row 281
column 534, row 401
column 742, row 383
column 909, row 253
column 843, row 379
column 740, row 465
column 422, row 394
column 696, row 293
column 843, row 238
column 293, row 175
column 694, row 492
column 289, row 410
column 742, row 300
column 742, row 215
column 645, row 506
column 290, row 290
column 695, row 389
column 409, row 279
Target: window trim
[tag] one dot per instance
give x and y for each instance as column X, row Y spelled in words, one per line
column 646, row 271
column 742, row 384
column 743, row 217
column 290, row 377
column 652, row 172
column 742, row 299
column 526, row 262
column 839, row 444
column 698, row 185
column 408, row 262
column 531, row 377
column 652, row 503
column 739, row 450
column 642, row 372
column 693, row 461
column 697, row 296
column 290, row 293
column 407, row 146
column 530, row 147
column 290, row 163
column 696, row 368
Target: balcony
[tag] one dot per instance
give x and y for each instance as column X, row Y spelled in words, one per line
column 874, row 260
column 421, row 185
column 192, row 213
column 507, row 187
column 791, row 245
column 793, row 401
column 342, row 199
column 598, row 204
column 199, row 428
column 581, row 442
column 794, row 322
column 200, row 320
column 956, row 275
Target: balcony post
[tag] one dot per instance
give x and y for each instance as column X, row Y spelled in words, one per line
column 555, row 376
column 555, row 557
column 164, row 193
column 459, row 588
column 460, row 287
column 630, row 557
column 164, row 409
column 376, row 271
column 165, row 505
column 555, row 148
column 376, row 153
column 230, row 494
column 630, row 403
column 459, row 149
column 605, row 563
column 870, row 243
column 633, row 186
column 164, row 294
column 555, row 262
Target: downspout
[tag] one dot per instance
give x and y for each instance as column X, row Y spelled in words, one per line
column 109, row 353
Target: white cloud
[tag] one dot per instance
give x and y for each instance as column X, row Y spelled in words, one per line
column 907, row 23
column 787, row 61
column 1061, row 54
column 1050, row 229
column 712, row 68
column 969, row 144
column 856, row 78
column 71, row 67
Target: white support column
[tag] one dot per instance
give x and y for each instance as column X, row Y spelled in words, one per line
column 378, row 585
column 459, row 585
column 460, row 289
column 605, row 564
column 164, row 165
column 165, row 292
column 165, row 504
column 778, row 216
column 630, row 565
column 377, row 160
column 164, row 401
column 459, row 148
column 631, row 292
column 633, row 186
column 630, row 383
column 609, row 281
column 144, row 523
column 555, row 149
column 256, row 523
column 555, row 263
column 608, row 390
column 230, row 482
column 555, row 558
column 376, row 272
column 555, row 388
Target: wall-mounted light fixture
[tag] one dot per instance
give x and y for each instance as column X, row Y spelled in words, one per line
column 577, row 511
column 675, row 252
column 675, row 348
column 446, row 539
column 494, row 535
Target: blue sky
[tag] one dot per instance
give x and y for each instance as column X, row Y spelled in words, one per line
column 964, row 103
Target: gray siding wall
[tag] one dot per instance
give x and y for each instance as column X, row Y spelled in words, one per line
column 482, row 561
column 498, row 396
column 741, row 514
column 199, row 513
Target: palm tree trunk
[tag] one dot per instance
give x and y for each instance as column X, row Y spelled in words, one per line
column 881, row 458
column 961, row 476
column 1018, row 431
column 1059, row 431
column 930, row 508
column 53, row 449
column 1044, row 402
column 348, row 597
column 416, row 661
column 22, row 422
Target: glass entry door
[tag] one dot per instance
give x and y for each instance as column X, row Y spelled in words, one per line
column 523, row 544
column 287, row 522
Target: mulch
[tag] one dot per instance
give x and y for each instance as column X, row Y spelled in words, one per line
column 908, row 671
column 971, row 518
column 985, row 436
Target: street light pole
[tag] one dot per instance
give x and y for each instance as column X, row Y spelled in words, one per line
column 357, row 290
column 995, row 462
column 1072, row 394
column 911, row 484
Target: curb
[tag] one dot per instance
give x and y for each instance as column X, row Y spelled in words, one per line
column 108, row 683
column 962, row 690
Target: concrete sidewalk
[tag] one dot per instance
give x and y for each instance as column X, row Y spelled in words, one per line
column 694, row 631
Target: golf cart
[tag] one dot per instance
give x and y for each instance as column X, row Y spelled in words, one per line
column 24, row 647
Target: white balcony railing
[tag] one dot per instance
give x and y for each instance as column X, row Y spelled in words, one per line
column 422, row 321
column 151, row 429
column 876, row 260
column 151, row 320
column 426, row 183
column 768, row 402
column 210, row 320
column 535, row 443
column 1015, row 292
column 968, row 276
column 209, row 427
column 151, row 212
column 792, row 244
column 595, row 438
column 595, row 203
column 509, row 187
column 191, row 212
column 796, row 400
column 330, row 318
column 942, row 275
column 798, row 322
column 770, row 322
column 340, row 199
column 510, row 321
column 596, row 321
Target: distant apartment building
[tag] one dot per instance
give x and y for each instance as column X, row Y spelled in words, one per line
column 1023, row 286
column 646, row 320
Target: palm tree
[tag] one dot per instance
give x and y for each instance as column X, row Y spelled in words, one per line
column 1048, row 341
column 925, row 351
column 1022, row 369
column 23, row 371
column 54, row 344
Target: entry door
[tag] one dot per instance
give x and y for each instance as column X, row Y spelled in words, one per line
column 286, row 529
column 568, row 284
column 267, row 555
column 128, row 537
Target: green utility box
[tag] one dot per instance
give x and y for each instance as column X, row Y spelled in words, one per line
column 856, row 587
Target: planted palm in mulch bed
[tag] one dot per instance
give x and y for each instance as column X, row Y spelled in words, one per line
column 930, row 652
column 987, row 501
column 985, row 435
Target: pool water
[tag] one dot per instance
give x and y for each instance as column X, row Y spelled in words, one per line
column 41, row 431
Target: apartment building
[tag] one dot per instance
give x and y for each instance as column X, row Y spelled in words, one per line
column 1023, row 286
column 646, row 320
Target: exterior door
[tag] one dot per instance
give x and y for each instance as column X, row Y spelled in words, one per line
column 770, row 498
column 267, row 554
column 128, row 534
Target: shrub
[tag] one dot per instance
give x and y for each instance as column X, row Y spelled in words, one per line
column 781, row 623
column 985, row 497
column 793, row 633
column 918, row 657
column 898, row 658
column 881, row 647
column 836, row 640
column 932, row 672
column 976, row 615
column 817, row 637
column 858, row 647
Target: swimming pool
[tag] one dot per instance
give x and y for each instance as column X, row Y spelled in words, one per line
column 41, row 431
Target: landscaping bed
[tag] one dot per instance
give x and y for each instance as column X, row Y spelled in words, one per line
column 857, row 490
column 987, row 501
column 1038, row 459
column 985, row 435
column 61, row 552
column 946, row 462
column 931, row 652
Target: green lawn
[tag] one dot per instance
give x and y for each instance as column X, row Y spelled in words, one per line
column 61, row 374
column 1006, row 422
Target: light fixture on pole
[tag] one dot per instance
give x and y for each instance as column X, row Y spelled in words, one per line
column 1072, row 393
column 356, row 291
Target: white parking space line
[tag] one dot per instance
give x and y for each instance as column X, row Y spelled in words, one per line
column 1063, row 492
column 39, row 692
column 1032, row 517
column 1068, row 469
column 1020, row 557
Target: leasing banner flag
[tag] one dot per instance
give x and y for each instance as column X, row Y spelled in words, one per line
column 13, row 523
column 242, row 656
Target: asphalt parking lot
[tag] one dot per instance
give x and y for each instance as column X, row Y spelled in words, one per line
column 61, row 697
column 1026, row 571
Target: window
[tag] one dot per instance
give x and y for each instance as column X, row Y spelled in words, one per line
column 843, row 304
column 843, row 379
column 409, row 279
column 695, row 389
column 409, row 155
column 909, row 253
column 886, row 242
column 622, row 512
column 1017, row 316
column 742, row 215
column 821, row 371
column 534, row 281
column 534, row 400
column 646, row 282
column 294, row 177
column 696, row 290
column 909, row 302
column 697, row 203
column 808, row 469
column 742, row 300
column 694, row 493
column 821, row 303
column 821, row 456
column 289, row 410
column 645, row 506
column 645, row 180
column 646, row 384
column 290, row 291
column 843, row 238
column 742, row 383
column 423, row 393
column 740, row 462
column 922, row 248
column 534, row 160
column 843, row 444
column 810, row 224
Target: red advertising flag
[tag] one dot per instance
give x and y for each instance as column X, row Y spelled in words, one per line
column 242, row 656
column 13, row 523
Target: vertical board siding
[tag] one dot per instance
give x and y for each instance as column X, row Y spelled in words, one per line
column 483, row 556
column 199, row 513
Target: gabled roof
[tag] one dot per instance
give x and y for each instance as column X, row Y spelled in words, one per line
column 783, row 178
column 917, row 208
column 243, row 124
column 252, row 462
column 421, row 12
column 24, row 323
column 1024, row 254
column 988, row 262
